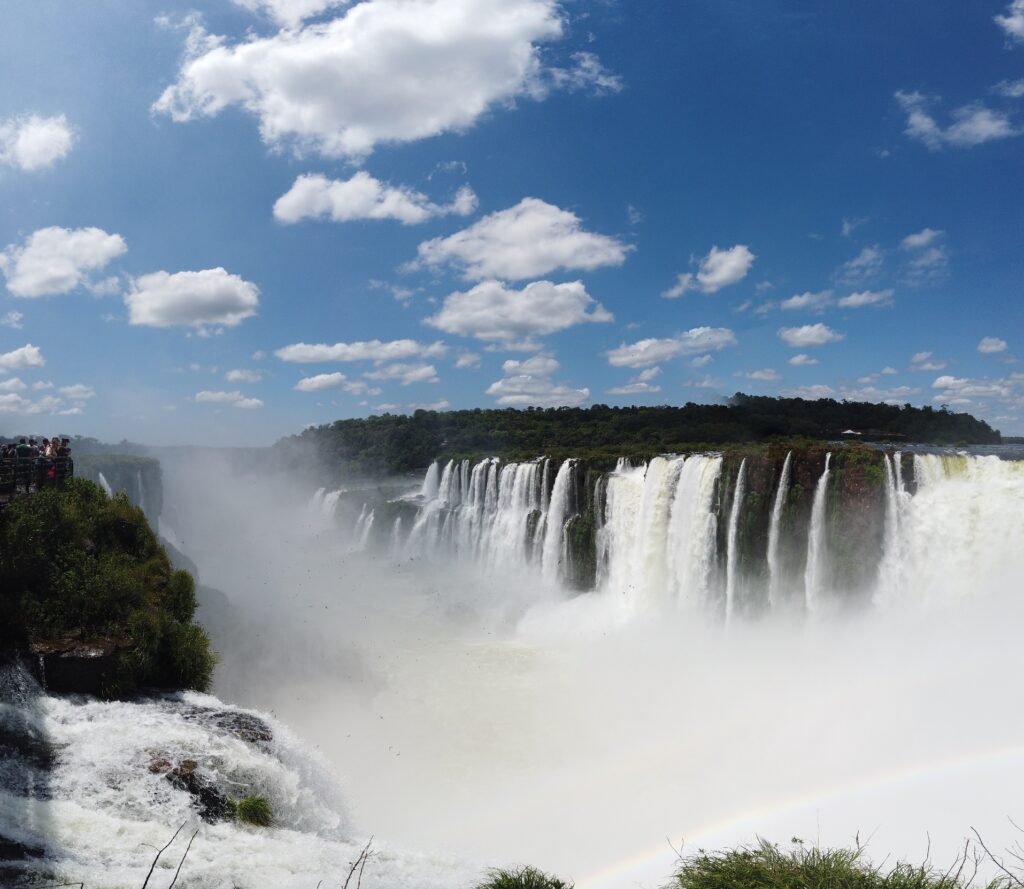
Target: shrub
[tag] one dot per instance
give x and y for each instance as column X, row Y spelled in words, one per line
column 522, row 878
column 765, row 866
column 253, row 810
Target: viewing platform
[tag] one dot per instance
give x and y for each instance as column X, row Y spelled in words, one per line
column 26, row 475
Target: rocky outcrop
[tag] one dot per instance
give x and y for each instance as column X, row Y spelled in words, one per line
column 73, row 665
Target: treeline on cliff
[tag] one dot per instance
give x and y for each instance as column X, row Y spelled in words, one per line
column 81, row 570
column 401, row 443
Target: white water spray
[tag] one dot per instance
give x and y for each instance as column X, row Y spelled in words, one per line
column 814, row 572
column 775, row 533
column 732, row 556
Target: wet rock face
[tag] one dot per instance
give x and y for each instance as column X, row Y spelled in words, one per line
column 211, row 804
column 243, row 726
column 70, row 665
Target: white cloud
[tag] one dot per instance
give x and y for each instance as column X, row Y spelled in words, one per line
column 718, row 269
column 922, row 361
column 865, row 265
column 259, row 355
column 12, row 385
column 921, row 239
column 442, row 404
column 850, row 225
column 370, row 350
column 290, row 13
column 323, row 382
column 972, row 388
column 706, row 382
column 243, row 376
column 819, row 390
column 31, row 142
column 1010, row 89
column 647, row 352
column 22, row 359
column 12, row 320
column 56, row 260
column 866, row 298
column 78, row 392
column 467, row 360
column 639, row 384
column 39, row 385
column 990, row 345
column 492, row 311
column 809, row 335
column 587, row 73
column 701, row 361
column 802, row 360
column 386, row 71
column 406, row 374
column 12, row 403
column 1012, row 22
column 530, row 239
column 972, row 124
column 929, row 265
column 889, row 371
column 766, row 374
column 363, row 197
column 529, row 383
column 813, row 302
column 235, row 399
column 194, row 299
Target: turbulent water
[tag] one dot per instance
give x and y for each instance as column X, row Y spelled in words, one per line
column 528, row 662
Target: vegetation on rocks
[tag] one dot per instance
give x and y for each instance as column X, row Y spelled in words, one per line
column 254, row 810
column 522, row 878
column 77, row 565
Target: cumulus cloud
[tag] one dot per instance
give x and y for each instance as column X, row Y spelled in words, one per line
column 866, row 298
column 363, row 197
column 57, row 260
column 718, row 269
column 530, row 239
column 813, row 302
column 13, row 403
column 12, row 320
column 648, row 352
column 639, row 384
column 587, row 73
column 290, row 13
column 369, row 350
column 235, row 399
column 498, row 313
column 12, row 385
column 323, row 382
column 819, row 390
column 78, row 392
column 1012, row 22
column 31, row 142
column 529, row 382
column 1010, row 89
column 802, row 360
column 467, row 360
column 385, row 71
column 765, row 374
column 864, row 266
column 809, row 335
column 920, row 239
column 406, row 374
column 26, row 357
column 991, row 345
column 923, row 361
column 965, row 387
column 192, row 299
column 243, row 376
column 972, row 124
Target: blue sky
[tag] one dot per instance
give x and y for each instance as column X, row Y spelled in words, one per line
column 223, row 222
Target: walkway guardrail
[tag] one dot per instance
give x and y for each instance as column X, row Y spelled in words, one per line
column 23, row 475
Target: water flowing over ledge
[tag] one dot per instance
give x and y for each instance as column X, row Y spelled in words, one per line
column 778, row 531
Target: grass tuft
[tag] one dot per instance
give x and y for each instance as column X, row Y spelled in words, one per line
column 254, row 810
column 521, row 878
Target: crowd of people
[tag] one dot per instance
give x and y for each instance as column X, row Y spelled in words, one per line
column 28, row 464
column 30, row 448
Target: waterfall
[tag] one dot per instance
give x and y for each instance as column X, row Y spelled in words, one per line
column 554, row 523
column 431, row 483
column 106, row 485
column 816, row 556
column 775, row 532
column 141, row 502
column 732, row 556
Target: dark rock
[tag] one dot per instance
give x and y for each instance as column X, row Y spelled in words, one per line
column 70, row 665
column 211, row 804
column 243, row 726
column 12, row 850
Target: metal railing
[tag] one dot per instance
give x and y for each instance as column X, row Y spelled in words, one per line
column 23, row 475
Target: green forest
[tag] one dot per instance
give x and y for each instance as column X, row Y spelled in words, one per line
column 402, row 443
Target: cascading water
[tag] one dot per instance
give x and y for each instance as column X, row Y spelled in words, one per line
column 141, row 501
column 554, row 522
column 815, row 571
column 106, row 485
column 431, row 482
column 775, row 533
column 732, row 556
